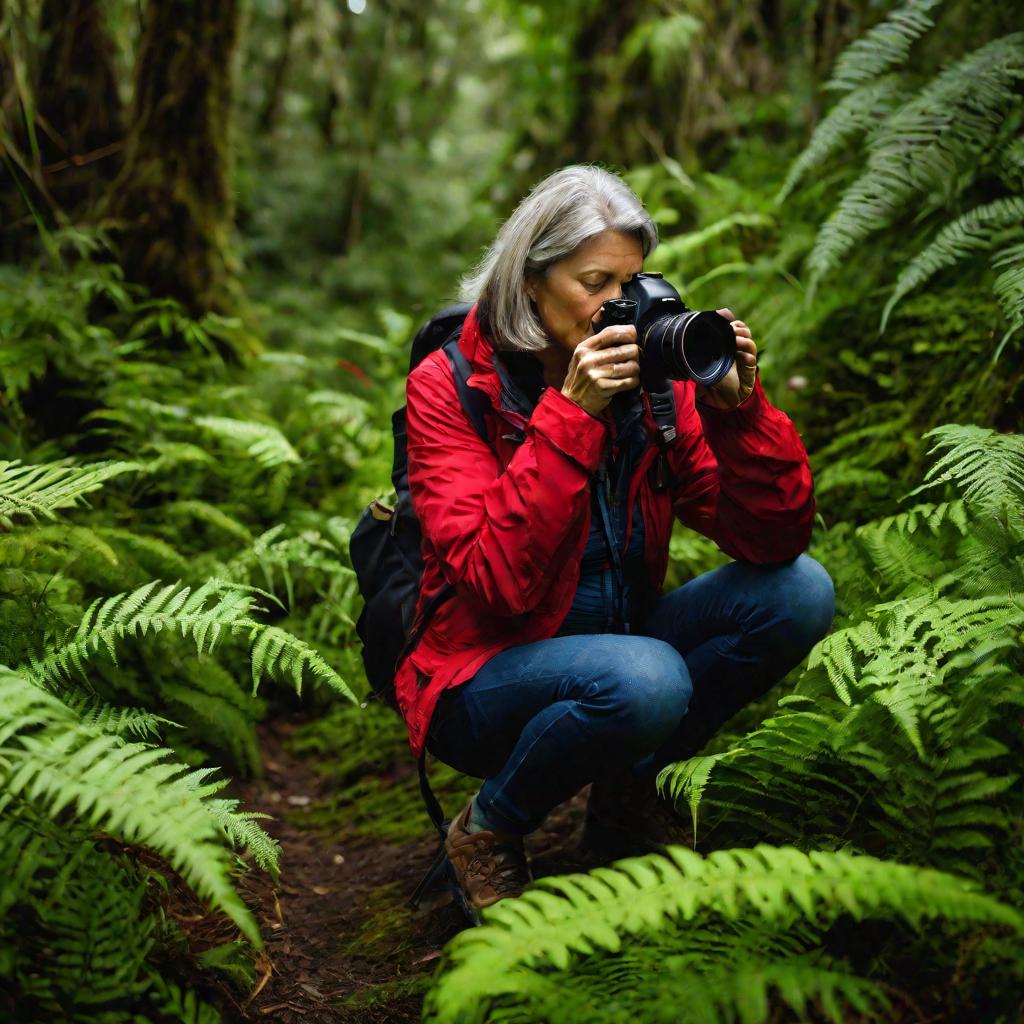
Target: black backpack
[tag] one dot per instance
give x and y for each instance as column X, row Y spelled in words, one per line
column 385, row 545
column 386, row 556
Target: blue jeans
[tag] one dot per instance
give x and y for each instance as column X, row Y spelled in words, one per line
column 540, row 721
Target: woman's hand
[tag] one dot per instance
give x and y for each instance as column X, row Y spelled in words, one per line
column 602, row 366
column 737, row 384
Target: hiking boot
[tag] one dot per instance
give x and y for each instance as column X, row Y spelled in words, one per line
column 486, row 866
column 627, row 816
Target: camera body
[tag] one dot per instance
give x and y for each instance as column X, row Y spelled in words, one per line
column 676, row 343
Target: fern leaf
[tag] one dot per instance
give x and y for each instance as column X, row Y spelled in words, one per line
column 884, row 47
column 561, row 919
column 205, row 614
column 853, row 116
column 131, row 790
column 986, row 467
column 749, row 989
column 1009, row 285
column 265, row 443
column 690, row 778
column 968, row 234
column 33, row 491
column 924, row 146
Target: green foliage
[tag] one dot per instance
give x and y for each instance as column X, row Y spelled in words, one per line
column 134, row 791
column 527, row 959
column 904, row 711
column 884, row 47
column 852, row 117
column 111, row 662
column 931, row 146
column 33, row 491
column 956, row 242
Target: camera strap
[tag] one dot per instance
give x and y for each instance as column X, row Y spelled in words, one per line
column 663, row 410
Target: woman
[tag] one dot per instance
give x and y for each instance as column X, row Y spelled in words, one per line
column 556, row 661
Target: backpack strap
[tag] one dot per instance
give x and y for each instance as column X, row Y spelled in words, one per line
column 474, row 402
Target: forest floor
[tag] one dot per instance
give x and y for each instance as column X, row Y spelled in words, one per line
column 342, row 944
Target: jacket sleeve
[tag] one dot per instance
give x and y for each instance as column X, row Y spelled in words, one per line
column 495, row 534
column 745, row 481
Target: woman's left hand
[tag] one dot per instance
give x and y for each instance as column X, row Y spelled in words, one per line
column 737, row 384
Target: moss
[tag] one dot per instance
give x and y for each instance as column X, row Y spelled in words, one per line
column 365, row 755
column 379, row 997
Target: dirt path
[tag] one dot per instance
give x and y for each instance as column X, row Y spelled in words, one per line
column 342, row 945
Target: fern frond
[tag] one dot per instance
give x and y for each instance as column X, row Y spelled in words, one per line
column 924, row 146
column 121, row 721
column 884, row 47
column 853, row 116
column 242, row 830
column 33, row 491
column 265, row 443
column 750, row 989
column 94, row 937
column 134, row 791
column 277, row 652
column 561, row 919
column 968, row 234
column 206, row 512
column 1009, row 285
column 205, row 615
column 986, row 467
column 690, row 778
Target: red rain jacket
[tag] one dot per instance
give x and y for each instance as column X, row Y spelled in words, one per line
column 507, row 524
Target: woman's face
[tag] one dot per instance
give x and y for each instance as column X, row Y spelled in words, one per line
column 571, row 291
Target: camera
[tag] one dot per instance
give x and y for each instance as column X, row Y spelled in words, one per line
column 675, row 342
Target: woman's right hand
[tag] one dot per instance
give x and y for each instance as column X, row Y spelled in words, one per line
column 602, row 366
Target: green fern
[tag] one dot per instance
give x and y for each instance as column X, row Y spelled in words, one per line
column 561, row 920
column 33, row 491
column 206, row 512
column 206, row 615
column 134, row 791
column 925, row 146
column 853, row 116
column 986, row 467
column 264, row 442
column 968, row 234
column 1009, row 289
column 94, row 934
column 884, row 47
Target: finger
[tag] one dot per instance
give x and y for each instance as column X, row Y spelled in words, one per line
column 740, row 329
column 622, row 354
column 727, row 313
column 614, row 335
column 615, row 384
column 746, row 345
column 627, row 369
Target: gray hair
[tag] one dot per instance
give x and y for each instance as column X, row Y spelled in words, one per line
column 565, row 210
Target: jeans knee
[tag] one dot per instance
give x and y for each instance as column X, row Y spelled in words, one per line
column 807, row 600
column 653, row 689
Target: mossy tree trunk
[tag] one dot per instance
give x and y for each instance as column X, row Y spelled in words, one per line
column 173, row 198
column 79, row 111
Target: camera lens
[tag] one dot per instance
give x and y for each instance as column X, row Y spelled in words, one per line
column 695, row 345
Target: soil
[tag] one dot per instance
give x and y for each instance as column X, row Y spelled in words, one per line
column 342, row 943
